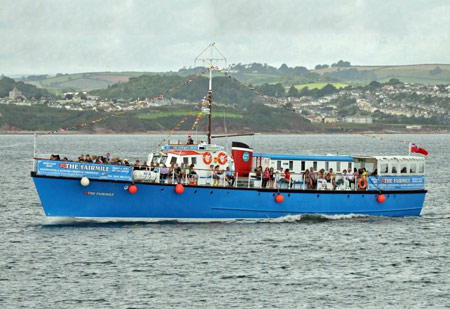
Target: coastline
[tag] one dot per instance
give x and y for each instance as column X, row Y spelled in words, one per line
column 25, row 132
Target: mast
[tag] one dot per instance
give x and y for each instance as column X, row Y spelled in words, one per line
column 210, row 61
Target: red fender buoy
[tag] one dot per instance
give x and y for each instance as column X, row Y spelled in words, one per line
column 381, row 198
column 279, row 198
column 179, row 188
column 132, row 189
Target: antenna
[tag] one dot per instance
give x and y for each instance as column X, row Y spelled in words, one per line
column 212, row 60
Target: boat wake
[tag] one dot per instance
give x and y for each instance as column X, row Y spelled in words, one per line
column 304, row 218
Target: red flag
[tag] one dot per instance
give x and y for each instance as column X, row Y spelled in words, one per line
column 417, row 149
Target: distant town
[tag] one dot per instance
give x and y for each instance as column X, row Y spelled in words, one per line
column 386, row 100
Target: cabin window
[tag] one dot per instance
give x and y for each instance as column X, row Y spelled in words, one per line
column 278, row 164
column 155, row 159
column 327, row 166
column 303, row 165
column 194, row 160
column 349, row 165
column 338, row 166
column 369, row 167
column 403, row 168
column 383, row 168
column 394, row 168
column 413, row 168
column 291, row 165
column 173, row 160
column 186, row 160
column 315, row 165
column 421, row 167
column 163, row 160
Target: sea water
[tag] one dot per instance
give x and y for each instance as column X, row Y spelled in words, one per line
column 297, row 261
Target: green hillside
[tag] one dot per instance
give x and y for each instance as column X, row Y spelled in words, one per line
column 256, row 118
column 8, row 84
column 225, row 90
column 423, row 73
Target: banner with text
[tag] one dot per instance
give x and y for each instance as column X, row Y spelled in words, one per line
column 79, row 169
column 396, row 183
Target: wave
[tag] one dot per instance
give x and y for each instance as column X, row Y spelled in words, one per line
column 108, row 222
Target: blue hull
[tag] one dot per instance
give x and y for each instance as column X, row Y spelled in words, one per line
column 63, row 197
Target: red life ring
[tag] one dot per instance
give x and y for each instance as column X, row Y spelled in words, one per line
column 222, row 158
column 360, row 183
column 207, row 157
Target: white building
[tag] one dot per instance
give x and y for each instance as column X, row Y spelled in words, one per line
column 358, row 119
column 15, row 94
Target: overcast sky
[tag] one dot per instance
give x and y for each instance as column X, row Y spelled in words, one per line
column 39, row 36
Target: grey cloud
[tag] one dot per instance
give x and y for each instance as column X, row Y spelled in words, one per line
column 74, row 36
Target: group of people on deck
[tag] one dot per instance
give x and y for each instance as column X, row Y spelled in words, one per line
column 269, row 176
column 331, row 180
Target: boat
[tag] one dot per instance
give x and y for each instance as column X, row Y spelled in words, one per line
column 209, row 183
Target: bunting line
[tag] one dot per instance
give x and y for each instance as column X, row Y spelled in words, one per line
column 143, row 104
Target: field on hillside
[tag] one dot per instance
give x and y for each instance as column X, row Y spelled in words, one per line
column 169, row 114
column 406, row 73
column 318, row 85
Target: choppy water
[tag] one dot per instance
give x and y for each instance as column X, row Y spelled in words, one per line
column 287, row 263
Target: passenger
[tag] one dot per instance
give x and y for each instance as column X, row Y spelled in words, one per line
column 171, row 172
column 106, row 161
column 88, row 159
column 272, row 177
column 229, row 176
column 313, row 176
column 202, row 143
column 192, row 175
column 183, row 171
column 286, row 178
column 177, row 173
column 340, row 178
column 307, row 180
column 137, row 165
column 216, row 176
column 356, row 174
column 94, row 158
column 108, row 156
column 365, row 173
column 65, row 159
column 280, row 175
column 163, row 174
column 321, row 181
column 350, row 177
column 258, row 172
column 332, row 178
column 144, row 166
column 190, row 141
column 125, row 162
column 52, row 157
column 266, row 177
column 57, row 158
column 374, row 173
column 99, row 160
column 81, row 158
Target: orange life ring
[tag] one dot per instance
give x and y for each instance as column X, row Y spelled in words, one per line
column 360, row 183
column 222, row 158
column 207, row 158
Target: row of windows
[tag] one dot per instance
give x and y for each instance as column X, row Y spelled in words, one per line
column 173, row 160
column 315, row 165
column 402, row 168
